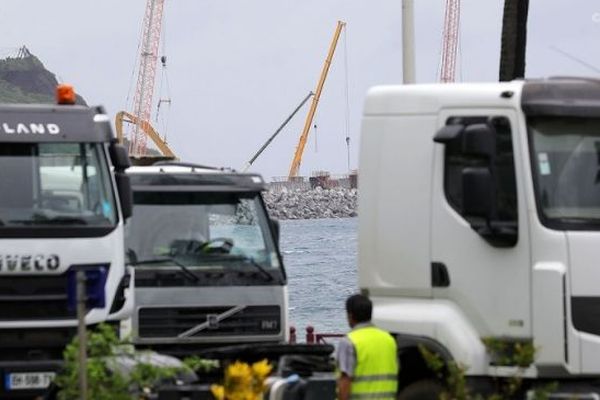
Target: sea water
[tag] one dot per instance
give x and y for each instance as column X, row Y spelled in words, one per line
column 320, row 259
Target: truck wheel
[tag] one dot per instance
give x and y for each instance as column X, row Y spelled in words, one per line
column 422, row 390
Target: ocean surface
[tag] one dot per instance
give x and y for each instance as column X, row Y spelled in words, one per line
column 320, row 257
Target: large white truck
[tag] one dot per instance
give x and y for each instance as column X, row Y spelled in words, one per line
column 208, row 271
column 64, row 198
column 479, row 219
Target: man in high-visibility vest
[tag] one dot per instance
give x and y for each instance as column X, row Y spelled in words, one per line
column 367, row 356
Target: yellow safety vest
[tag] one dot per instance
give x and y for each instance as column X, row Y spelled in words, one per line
column 376, row 371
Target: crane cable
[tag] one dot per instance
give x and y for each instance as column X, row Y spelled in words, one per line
column 164, row 79
column 347, row 95
column 459, row 56
column 132, row 79
column 136, row 60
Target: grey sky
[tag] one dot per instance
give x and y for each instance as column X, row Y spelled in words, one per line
column 237, row 68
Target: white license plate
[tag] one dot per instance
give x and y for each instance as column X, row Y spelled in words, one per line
column 28, row 380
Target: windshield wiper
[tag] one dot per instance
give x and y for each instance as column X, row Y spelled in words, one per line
column 186, row 271
column 250, row 261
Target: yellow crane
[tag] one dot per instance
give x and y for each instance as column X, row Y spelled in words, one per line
column 315, row 101
column 147, row 129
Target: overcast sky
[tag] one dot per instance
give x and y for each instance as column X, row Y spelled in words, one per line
column 237, row 68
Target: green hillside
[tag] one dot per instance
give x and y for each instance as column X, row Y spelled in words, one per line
column 24, row 79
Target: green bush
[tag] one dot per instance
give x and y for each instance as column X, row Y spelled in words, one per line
column 517, row 354
column 106, row 377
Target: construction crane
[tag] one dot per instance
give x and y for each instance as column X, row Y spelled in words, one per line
column 295, row 167
column 450, row 41
column 284, row 123
column 147, row 129
column 139, row 119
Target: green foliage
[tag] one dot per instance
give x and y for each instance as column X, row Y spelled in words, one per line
column 519, row 354
column 543, row 393
column 25, row 80
column 201, row 365
column 453, row 373
column 511, row 353
column 145, row 376
column 10, row 93
column 106, row 381
column 102, row 383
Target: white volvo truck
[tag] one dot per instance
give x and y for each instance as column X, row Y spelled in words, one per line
column 208, row 271
column 479, row 218
column 63, row 201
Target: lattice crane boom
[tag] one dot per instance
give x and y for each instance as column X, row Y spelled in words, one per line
column 144, row 93
column 450, row 41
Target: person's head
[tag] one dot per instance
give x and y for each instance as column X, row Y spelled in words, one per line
column 359, row 309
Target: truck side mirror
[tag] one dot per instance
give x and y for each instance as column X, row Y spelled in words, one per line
column 478, row 193
column 125, row 194
column 275, row 229
column 479, row 140
column 119, row 157
column 448, row 133
column 480, row 207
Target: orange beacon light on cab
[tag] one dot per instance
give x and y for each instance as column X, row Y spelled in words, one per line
column 65, row 94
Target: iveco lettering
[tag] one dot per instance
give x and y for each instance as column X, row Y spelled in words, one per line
column 26, row 263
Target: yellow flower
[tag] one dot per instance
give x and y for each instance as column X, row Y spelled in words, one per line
column 261, row 369
column 243, row 382
column 218, row 392
column 238, row 369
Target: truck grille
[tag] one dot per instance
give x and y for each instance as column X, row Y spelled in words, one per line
column 34, row 344
column 171, row 322
column 25, row 298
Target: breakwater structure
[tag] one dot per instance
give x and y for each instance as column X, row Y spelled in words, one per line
column 319, row 196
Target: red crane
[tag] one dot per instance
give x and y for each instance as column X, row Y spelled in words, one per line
column 450, row 41
column 144, row 92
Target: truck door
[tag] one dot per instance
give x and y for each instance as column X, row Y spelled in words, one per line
column 480, row 244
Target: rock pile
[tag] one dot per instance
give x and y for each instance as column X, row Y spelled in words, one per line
column 313, row 203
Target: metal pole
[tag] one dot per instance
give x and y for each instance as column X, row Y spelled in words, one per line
column 408, row 41
column 81, row 333
column 348, row 151
column 288, row 119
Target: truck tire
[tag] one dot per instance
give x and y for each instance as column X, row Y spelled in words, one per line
column 426, row 389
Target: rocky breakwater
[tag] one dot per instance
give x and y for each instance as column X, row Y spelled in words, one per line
column 312, row 203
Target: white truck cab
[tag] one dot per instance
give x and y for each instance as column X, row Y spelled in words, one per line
column 64, row 199
column 208, row 271
column 479, row 218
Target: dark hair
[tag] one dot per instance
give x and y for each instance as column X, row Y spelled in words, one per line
column 359, row 307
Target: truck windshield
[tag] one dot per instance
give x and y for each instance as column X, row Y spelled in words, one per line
column 566, row 165
column 202, row 230
column 50, row 184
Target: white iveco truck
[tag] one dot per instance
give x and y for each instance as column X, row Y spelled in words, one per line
column 208, row 271
column 63, row 201
column 480, row 219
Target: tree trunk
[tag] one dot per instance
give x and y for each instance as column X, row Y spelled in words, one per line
column 514, row 40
